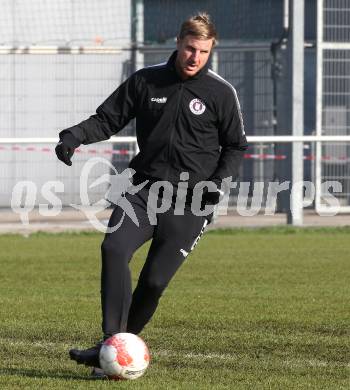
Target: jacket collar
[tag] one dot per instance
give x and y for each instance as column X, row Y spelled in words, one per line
column 171, row 66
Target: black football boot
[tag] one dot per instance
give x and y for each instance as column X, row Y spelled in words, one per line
column 89, row 357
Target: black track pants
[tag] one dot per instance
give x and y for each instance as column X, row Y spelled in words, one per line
column 173, row 238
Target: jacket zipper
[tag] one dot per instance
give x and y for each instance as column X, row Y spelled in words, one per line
column 170, row 147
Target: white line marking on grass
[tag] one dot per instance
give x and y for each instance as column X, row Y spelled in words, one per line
column 296, row 363
column 192, row 355
column 227, row 357
column 35, row 344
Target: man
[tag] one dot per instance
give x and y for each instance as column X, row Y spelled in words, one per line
column 189, row 128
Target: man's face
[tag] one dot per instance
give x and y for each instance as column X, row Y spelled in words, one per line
column 192, row 55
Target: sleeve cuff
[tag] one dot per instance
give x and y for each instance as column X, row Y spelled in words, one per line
column 68, row 139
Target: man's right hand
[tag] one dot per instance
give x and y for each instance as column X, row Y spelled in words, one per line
column 65, row 148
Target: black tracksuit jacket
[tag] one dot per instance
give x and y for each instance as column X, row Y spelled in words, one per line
column 192, row 125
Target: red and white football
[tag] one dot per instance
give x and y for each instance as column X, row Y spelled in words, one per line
column 124, row 356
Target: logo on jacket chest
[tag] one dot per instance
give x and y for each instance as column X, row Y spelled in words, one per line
column 159, row 100
column 197, row 106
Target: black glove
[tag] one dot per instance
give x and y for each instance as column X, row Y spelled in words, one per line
column 212, row 198
column 65, row 148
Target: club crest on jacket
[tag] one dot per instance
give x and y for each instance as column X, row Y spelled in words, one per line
column 197, row 107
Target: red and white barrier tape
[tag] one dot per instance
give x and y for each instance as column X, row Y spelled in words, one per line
column 307, row 158
column 265, row 156
column 122, row 152
column 126, row 152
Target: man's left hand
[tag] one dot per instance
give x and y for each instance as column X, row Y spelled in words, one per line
column 212, row 198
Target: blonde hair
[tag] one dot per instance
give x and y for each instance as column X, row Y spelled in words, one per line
column 200, row 26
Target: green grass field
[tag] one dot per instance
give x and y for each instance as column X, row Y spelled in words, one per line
column 250, row 309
